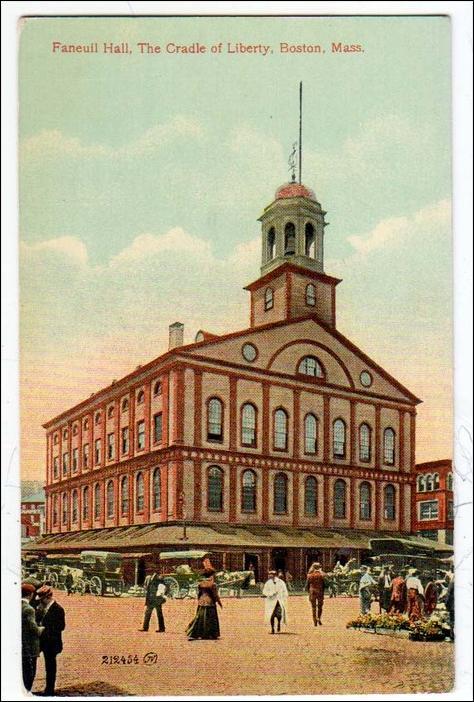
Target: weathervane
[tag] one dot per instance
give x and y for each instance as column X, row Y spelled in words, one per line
column 292, row 162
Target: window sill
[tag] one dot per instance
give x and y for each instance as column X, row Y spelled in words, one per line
column 280, row 450
column 280, row 514
column 254, row 446
column 214, row 509
column 215, row 441
column 248, row 511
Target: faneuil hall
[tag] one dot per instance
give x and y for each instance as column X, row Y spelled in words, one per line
column 276, row 445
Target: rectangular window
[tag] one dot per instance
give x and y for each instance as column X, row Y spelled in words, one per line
column 75, row 460
column 158, row 428
column 429, row 510
column 450, row 509
column 65, row 463
column 140, row 435
column 56, row 466
column 98, row 447
column 124, row 440
column 110, row 446
column 85, row 456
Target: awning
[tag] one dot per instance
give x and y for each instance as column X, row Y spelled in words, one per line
column 142, row 540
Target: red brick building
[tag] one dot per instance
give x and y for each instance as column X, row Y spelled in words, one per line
column 32, row 515
column 433, row 516
column 278, row 444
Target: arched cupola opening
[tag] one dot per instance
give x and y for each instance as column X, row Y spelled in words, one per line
column 290, row 239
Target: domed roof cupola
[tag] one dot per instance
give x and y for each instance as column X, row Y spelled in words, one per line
column 294, row 189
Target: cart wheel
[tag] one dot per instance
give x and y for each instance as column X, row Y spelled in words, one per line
column 95, row 585
column 117, row 589
column 81, row 586
column 173, row 587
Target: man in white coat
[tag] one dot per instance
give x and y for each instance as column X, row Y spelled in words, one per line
column 276, row 601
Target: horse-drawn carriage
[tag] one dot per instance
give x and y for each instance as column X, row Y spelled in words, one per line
column 97, row 572
column 343, row 580
column 429, row 559
column 182, row 579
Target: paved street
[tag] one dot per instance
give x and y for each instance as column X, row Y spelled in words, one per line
column 246, row 660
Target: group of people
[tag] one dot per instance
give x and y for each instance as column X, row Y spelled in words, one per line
column 43, row 621
column 402, row 592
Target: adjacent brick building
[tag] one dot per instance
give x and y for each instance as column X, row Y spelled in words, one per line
column 278, row 444
column 433, row 516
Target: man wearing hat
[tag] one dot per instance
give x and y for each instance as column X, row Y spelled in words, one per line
column 315, row 586
column 276, row 602
column 365, row 584
column 50, row 615
column 30, row 636
column 415, row 595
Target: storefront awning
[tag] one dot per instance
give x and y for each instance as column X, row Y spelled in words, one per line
column 138, row 540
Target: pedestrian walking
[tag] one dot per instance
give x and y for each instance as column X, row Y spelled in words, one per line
column 415, row 595
column 50, row 615
column 384, row 586
column 365, row 584
column 398, row 597
column 30, row 636
column 276, row 601
column 431, row 595
column 155, row 598
column 315, row 586
column 205, row 624
column 449, row 603
column 68, row 581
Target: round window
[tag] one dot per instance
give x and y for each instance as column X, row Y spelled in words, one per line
column 249, row 352
column 366, row 379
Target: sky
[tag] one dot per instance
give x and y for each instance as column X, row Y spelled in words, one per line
column 142, row 177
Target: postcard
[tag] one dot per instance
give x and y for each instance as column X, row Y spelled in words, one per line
column 236, row 356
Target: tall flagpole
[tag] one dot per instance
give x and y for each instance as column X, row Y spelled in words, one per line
column 301, row 132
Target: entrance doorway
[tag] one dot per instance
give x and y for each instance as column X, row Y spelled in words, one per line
column 141, row 571
column 279, row 559
column 251, row 563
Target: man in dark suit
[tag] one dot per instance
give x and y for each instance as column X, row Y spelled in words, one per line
column 155, row 589
column 50, row 615
column 315, row 587
column 30, row 636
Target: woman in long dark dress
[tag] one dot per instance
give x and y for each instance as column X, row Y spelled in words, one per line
column 205, row 624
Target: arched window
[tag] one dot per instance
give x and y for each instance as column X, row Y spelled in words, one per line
column 249, row 425
column 214, row 419
column 85, row 503
column 449, row 481
column 310, row 434
column 75, row 506
column 124, row 497
column 310, row 365
column 215, row 489
column 339, row 439
column 389, row 446
column 56, row 439
column 124, row 404
column 75, row 429
column 280, row 494
column 389, row 502
column 110, row 499
column 97, row 505
column 98, row 417
column 65, row 434
column 309, row 240
column 110, row 412
column 280, row 430
column 310, row 295
column 340, row 499
column 365, row 448
column 268, row 301
column 421, row 483
column 140, row 397
column 365, row 501
column 140, row 492
column 311, row 496
column 436, row 481
column 290, row 239
column 156, row 486
column 65, row 508
column 157, row 388
column 271, row 244
column 429, row 483
column 55, row 509
column 249, row 491
column 86, row 424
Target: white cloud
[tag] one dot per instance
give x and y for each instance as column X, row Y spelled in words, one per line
column 175, row 240
column 68, row 247
column 53, row 143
